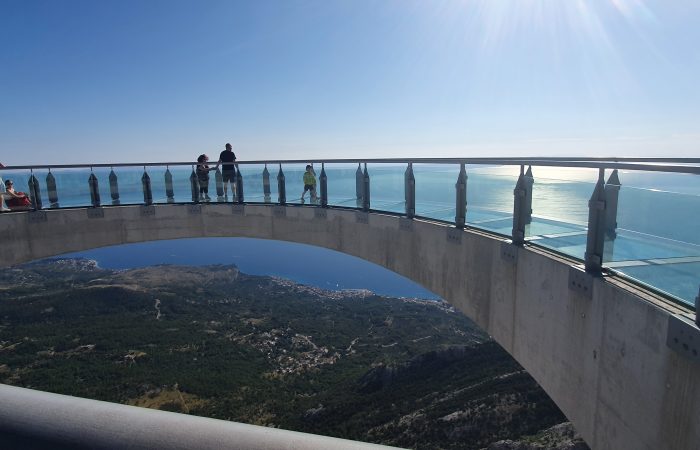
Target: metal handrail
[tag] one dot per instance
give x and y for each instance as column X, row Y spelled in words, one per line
column 675, row 165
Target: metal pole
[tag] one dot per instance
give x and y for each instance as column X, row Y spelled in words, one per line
column 194, row 186
column 461, row 197
column 281, row 189
column 266, row 184
column 365, row 190
column 169, row 191
column 239, row 184
column 146, row 183
column 51, row 190
column 519, row 209
column 410, row 191
column 94, row 190
column 697, row 308
column 114, row 187
column 529, row 182
column 612, row 194
column 359, row 183
column 595, row 241
column 323, row 180
column 219, row 180
column 35, row 191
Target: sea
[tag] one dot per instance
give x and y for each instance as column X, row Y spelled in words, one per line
column 656, row 240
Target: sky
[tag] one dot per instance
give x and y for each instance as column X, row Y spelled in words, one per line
column 165, row 80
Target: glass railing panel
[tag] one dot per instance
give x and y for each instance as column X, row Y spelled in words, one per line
column 341, row 184
column 656, row 240
column 72, row 187
column 294, row 182
column 560, row 198
column 435, row 190
column 490, row 197
column 387, row 187
column 253, row 182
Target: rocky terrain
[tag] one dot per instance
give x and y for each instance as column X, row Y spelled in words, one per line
column 215, row 342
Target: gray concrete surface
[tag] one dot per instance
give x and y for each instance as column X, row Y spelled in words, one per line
column 64, row 422
column 602, row 358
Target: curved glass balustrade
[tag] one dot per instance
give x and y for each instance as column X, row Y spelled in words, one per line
column 648, row 218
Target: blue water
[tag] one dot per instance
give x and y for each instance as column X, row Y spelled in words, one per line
column 304, row 264
column 657, row 215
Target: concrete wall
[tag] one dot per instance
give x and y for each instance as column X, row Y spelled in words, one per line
column 602, row 358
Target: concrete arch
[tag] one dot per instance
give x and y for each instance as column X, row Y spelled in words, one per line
column 600, row 354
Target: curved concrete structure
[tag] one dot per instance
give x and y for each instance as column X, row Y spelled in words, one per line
column 596, row 345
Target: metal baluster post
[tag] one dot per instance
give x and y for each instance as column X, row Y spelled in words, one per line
column 94, row 189
column 365, row 190
column 169, row 191
column 34, row 191
column 113, row 187
column 281, row 188
column 239, row 185
column 51, row 190
column 612, row 193
column 529, row 183
column 595, row 241
column 194, row 186
column 323, row 180
column 410, row 191
column 359, row 184
column 697, row 308
column 219, row 179
column 146, row 183
column 519, row 209
column 266, row 184
column 461, row 197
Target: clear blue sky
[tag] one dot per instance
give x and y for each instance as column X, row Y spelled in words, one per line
column 144, row 80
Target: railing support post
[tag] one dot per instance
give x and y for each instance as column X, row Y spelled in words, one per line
column 266, row 184
column 529, row 183
column 147, row 192
column 219, row 181
column 697, row 308
column 94, row 190
column 51, row 190
column 359, row 183
column 35, row 191
column 239, row 185
column 113, row 187
column 612, row 193
column 194, row 186
column 410, row 191
column 323, row 180
column 520, row 209
column 595, row 241
column 281, row 188
column 3, row 206
column 169, row 191
column 365, row 190
column 461, row 197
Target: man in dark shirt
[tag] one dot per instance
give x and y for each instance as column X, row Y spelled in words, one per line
column 228, row 171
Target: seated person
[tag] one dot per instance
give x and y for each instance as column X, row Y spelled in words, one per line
column 16, row 201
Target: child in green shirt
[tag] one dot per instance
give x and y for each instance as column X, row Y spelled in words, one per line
column 309, row 184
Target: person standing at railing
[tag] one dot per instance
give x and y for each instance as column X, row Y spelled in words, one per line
column 203, row 177
column 309, row 184
column 228, row 172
